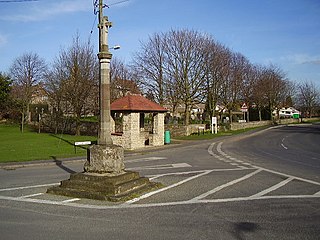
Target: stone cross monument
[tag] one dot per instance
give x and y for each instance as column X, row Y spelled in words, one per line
column 104, row 157
column 104, row 176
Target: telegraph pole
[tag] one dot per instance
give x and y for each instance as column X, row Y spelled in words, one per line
column 104, row 55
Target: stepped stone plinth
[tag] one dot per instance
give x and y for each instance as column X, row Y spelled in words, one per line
column 103, row 186
column 104, row 178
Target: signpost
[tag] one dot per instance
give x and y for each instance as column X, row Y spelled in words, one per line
column 244, row 109
column 214, row 125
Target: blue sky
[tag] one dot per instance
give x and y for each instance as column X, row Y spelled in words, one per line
column 282, row 32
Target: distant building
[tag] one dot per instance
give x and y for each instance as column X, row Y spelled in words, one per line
column 287, row 112
column 39, row 95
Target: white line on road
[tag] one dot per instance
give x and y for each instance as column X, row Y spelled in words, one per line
column 31, row 195
column 282, row 144
column 289, row 176
column 221, row 200
column 27, row 187
column 145, row 159
column 317, row 194
column 279, row 185
column 102, row 207
column 168, row 187
column 226, row 185
column 152, row 177
column 71, row 200
column 164, row 166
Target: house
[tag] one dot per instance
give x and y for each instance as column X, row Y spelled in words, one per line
column 287, row 112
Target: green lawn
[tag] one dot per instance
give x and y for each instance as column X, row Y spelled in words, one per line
column 16, row 146
column 208, row 135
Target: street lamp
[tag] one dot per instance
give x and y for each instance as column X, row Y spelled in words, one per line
column 116, row 47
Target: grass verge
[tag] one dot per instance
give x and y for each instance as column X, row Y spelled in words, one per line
column 18, row 147
column 209, row 135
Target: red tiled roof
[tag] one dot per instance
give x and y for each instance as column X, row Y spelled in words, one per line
column 136, row 103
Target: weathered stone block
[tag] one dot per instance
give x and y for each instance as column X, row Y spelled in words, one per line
column 105, row 159
column 104, row 187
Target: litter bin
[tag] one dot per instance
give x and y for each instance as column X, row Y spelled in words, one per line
column 296, row 115
column 166, row 137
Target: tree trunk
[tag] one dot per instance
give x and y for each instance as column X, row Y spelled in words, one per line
column 186, row 115
column 260, row 117
column 22, row 122
column 78, row 125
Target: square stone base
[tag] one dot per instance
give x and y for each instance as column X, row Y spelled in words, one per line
column 104, row 178
column 104, row 187
column 105, row 159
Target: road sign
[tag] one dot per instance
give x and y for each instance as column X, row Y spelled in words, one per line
column 244, row 108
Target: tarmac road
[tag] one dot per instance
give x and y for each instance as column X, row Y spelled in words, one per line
column 252, row 186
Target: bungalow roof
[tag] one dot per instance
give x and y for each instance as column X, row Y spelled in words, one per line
column 136, row 103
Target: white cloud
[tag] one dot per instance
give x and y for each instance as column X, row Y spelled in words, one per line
column 38, row 12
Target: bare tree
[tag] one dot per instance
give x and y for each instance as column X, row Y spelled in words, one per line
column 122, row 80
column 258, row 94
column 149, row 64
column 275, row 87
column 239, row 70
column 73, row 82
column 216, row 66
column 27, row 71
column 186, row 66
column 251, row 76
column 56, row 95
column 308, row 97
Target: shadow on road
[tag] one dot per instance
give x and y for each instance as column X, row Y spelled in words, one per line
column 241, row 228
column 60, row 165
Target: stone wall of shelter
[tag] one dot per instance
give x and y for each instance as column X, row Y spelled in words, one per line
column 134, row 137
column 157, row 137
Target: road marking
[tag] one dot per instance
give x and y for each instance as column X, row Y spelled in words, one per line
column 32, row 195
column 318, row 193
column 282, row 143
column 168, row 187
column 71, row 200
column 103, row 207
column 226, row 185
column 151, row 177
column 225, row 157
column 279, row 185
column 210, row 149
column 27, row 187
column 145, row 159
column 234, row 164
column 164, row 166
column 289, row 176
